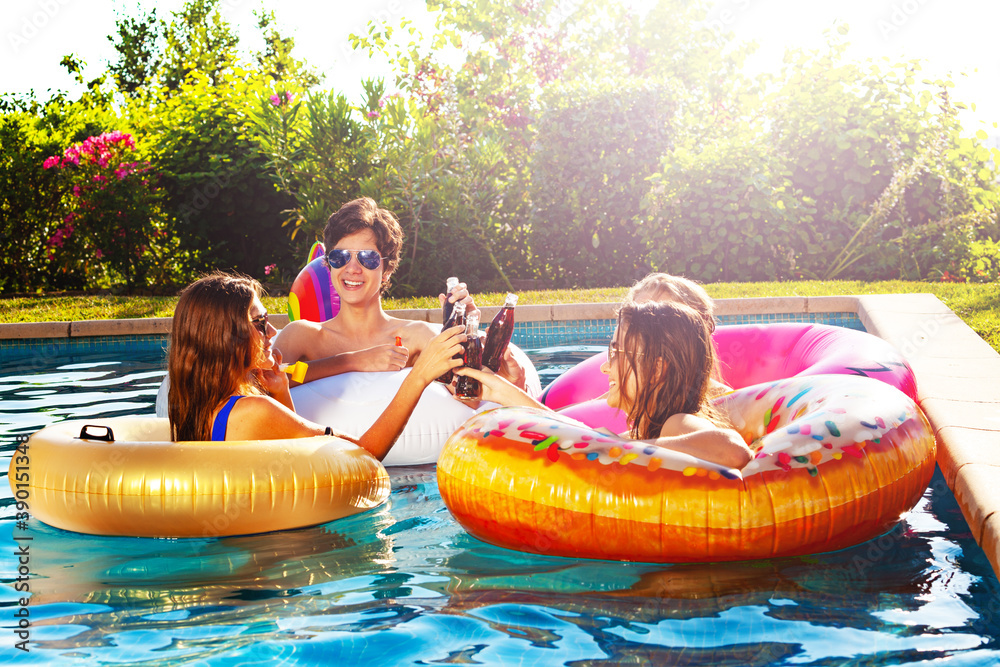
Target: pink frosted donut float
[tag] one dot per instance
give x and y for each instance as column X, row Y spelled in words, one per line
column 749, row 354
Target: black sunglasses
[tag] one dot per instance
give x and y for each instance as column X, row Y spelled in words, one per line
column 338, row 257
column 260, row 323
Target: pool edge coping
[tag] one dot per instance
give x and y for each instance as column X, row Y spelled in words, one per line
column 953, row 367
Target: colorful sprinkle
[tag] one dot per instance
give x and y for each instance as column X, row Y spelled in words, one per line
column 806, row 429
column 580, row 445
column 799, row 395
column 867, row 425
column 772, row 424
column 689, row 471
column 853, row 451
column 834, row 431
column 527, row 425
column 816, row 457
column 553, row 452
column 802, row 459
column 878, row 420
column 631, row 456
column 792, row 428
column 653, row 464
column 713, row 475
column 615, row 452
column 648, row 450
column 532, row 435
column 578, row 456
column 837, row 456
column 813, row 471
column 592, row 456
column 585, row 437
column 784, row 458
column 547, row 443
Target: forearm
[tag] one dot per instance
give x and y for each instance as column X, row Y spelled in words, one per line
column 380, row 437
column 718, row 445
column 336, row 364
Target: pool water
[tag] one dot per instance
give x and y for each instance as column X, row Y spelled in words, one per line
column 404, row 584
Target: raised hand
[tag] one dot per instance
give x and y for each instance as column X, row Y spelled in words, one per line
column 460, row 294
column 437, row 357
column 382, row 358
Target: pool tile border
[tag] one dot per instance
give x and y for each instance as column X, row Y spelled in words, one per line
column 956, row 372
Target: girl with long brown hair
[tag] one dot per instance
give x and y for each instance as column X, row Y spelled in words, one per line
column 225, row 382
column 659, row 368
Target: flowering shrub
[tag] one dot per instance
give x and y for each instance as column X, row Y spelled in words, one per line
column 112, row 213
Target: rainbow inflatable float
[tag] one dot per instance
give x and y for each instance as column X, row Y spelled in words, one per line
column 312, row 296
column 839, row 459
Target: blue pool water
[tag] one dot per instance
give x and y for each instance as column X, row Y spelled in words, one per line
column 404, row 584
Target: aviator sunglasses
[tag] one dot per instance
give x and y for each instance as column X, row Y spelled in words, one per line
column 260, row 323
column 338, row 257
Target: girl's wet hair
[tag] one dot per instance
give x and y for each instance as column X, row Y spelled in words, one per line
column 213, row 348
column 668, row 347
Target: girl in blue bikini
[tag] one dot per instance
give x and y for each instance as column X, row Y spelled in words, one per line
column 224, row 378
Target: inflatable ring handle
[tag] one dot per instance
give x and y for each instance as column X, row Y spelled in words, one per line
column 109, row 435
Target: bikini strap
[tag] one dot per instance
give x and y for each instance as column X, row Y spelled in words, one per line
column 221, row 423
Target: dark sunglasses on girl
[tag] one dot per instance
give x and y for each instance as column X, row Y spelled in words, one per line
column 338, row 257
column 260, row 323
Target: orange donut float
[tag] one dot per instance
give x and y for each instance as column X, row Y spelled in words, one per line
column 839, row 459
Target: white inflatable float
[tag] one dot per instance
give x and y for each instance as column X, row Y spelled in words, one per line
column 351, row 402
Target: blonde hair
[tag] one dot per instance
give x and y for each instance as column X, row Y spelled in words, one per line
column 663, row 287
column 213, row 348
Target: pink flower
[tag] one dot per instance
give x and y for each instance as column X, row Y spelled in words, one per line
column 275, row 100
column 99, row 178
column 76, row 191
column 289, row 97
column 269, row 268
column 98, row 253
column 373, row 114
column 51, row 162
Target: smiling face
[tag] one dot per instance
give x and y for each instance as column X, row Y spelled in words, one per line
column 355, row 284
column 622, row 384
column 265, row 351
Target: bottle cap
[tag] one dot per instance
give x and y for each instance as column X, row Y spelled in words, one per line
column 511, row 300
column 450, row 284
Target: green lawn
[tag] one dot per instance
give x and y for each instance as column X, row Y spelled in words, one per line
column 977, row 304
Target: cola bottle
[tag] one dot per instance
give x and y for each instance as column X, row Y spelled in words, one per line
column 457, row 319
column 498, row 335
column 448, row 306
column 467, row 387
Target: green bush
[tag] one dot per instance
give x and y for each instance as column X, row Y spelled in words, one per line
column 595, row 148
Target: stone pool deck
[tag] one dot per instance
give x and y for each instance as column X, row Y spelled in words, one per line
column 956, row 370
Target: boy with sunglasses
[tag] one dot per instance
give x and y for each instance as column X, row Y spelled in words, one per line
column 363, row 245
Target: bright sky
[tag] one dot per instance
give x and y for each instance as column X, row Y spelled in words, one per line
column 953, row 35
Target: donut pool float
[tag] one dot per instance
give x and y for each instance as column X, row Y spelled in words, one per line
column 123, row 476
column 748, row 354
column 838, row 460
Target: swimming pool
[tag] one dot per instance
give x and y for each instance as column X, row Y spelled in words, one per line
column 404, row 584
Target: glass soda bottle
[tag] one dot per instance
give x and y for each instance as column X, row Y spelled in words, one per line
column 448, row 306
column 457, row 319
column 499, row 333
column 467, row 387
